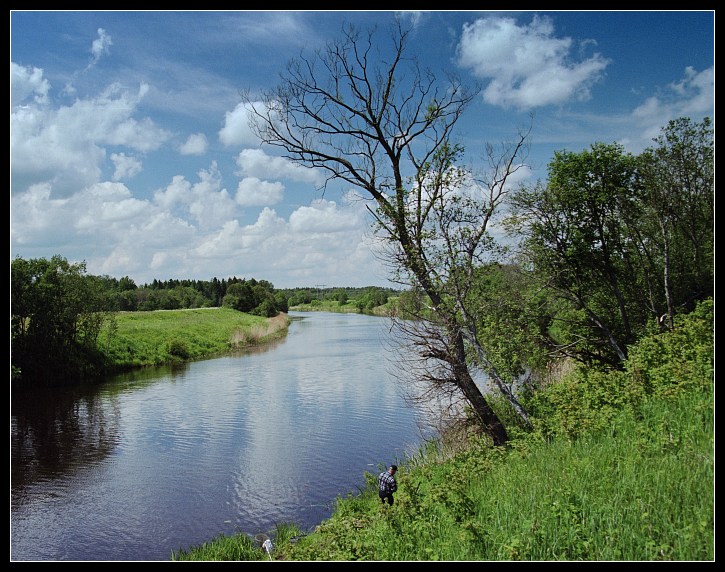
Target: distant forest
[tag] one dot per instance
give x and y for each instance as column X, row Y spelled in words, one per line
column 246, row 295
column 30, row 278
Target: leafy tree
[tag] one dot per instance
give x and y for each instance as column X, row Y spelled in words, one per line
column 190, row 297
column 280, row 302
column 386, row 129
column 340, row 295
column 679, row 195
column 576, row 235
column 512, row 320
column 57, row 313
column 240, row 296
column 126, row 284
column 608, row 230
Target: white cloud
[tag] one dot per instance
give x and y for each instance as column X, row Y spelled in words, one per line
column 526, row 65
column 236, row 130
column 322, row 241
column 256, row 163
column 104, row 205
column 101, row 45
column 126, row 166
column 205, row 201
column 106, row 211
column 26, row 82
column 37, row 219
column 414, row 16
column 324, row 217
column 692, row 96
column 66, row 146
column 195, row 144
column 120, row 235
column 253, row 192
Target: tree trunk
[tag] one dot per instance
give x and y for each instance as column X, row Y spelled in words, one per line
column 481, row 407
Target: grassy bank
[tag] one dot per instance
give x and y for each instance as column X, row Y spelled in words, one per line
column 136, row 339
column 619, row 468
column 641, row 490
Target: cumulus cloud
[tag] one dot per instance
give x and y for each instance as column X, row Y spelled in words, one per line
column 253, row 192
column 27, row 82
column 325, row 217
column 126, row 166
column 119, row 234
column 236, row 130
column 322, row 239
column 256, row 163
column 205, row 201
column 105, row 211
column 195, row 144
column 692, row 96
column 67, row 145
column 526, row 65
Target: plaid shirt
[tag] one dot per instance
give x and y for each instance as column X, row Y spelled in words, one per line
column 386, row 482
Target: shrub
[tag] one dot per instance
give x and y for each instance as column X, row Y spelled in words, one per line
column 178, row 348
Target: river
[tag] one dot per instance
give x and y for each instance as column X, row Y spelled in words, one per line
column 164, row 459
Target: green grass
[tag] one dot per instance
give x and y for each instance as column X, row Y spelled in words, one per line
column 642, row 490
column 138, row 339
column 635, row 483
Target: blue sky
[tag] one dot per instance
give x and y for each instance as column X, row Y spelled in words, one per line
column 130, row 150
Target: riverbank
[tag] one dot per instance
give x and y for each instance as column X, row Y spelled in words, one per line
column 349, row 307
column 619, row 467
column 625, row 493
column 140, row 339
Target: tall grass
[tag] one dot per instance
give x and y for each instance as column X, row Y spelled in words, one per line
column 635, row 483
column 642, row 490
column 136, row 339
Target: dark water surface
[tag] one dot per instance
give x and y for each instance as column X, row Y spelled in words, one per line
column 165, row 459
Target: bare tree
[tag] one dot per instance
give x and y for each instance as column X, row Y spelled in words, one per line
column 384, row 126
column 451, row 212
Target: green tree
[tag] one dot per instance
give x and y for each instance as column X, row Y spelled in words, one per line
column 607, row 231
column 576, row 234
column 512, row 319
column 679, row 195
column 126, row 284
column 240, row 296
column 57, row 313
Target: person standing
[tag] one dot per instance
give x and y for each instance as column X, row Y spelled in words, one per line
column 387, row 484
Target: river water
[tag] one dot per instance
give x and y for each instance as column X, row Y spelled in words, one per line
column 164, row 459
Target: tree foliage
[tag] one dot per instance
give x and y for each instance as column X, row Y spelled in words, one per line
column 621, row 240
column 56, row 316
column 678, row 191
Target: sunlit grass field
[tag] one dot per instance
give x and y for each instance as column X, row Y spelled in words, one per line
column 135, row 339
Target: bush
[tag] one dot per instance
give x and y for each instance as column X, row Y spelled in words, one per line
column 667, row 363
column 662, row 364
column 179, row 349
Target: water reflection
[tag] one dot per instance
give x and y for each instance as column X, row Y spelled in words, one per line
column 56, row 432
